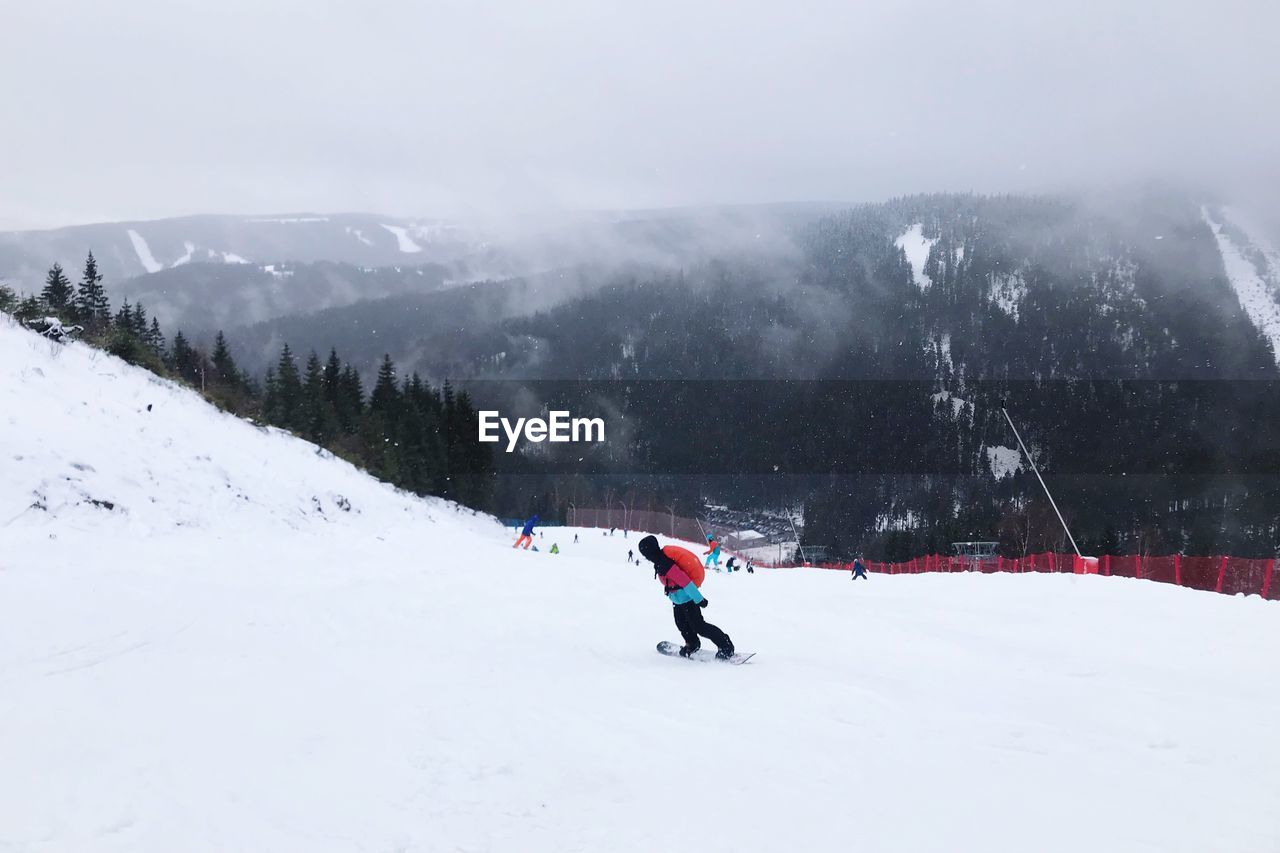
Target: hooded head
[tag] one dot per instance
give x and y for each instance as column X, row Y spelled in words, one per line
column 650, row 548
column 652, row 551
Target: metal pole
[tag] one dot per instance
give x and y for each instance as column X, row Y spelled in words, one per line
column 1052, row 503
column 796, row 534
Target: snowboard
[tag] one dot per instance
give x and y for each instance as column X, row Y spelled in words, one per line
column 704, row 655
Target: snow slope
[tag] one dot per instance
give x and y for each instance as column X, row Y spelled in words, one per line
column 917, row 248
column 403, row 240
column 148, row 261
column 229, row 659
column 1254, row 272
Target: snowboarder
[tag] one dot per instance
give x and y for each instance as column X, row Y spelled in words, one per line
column 729, row 566
column 712, row 554
column 575, row 539
column 859, row 570
column 679, row 571
column 631, row 556
column 555, row 548
column 526, row 535
column 750, row 567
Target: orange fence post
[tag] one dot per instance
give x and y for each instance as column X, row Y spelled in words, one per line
column 1222, row 574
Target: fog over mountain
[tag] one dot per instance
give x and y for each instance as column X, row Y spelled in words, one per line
column 456, row 110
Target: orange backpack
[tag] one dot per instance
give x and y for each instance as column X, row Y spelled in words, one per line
column 687, row 560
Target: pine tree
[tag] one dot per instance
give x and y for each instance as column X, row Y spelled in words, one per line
column 349, row 401
column 93, row 309
column 124, row 318
column 317, row 411
column 332, row 377
column 8, row 299
column 288, row 391
column 155, row 340
column 58, row 293
column 224, row 370
column 270, row 397
column 29, row 308
column 385, row 400
column 138, row 322
column 184, row 360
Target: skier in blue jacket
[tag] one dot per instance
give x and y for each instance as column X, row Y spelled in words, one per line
column 526, row 535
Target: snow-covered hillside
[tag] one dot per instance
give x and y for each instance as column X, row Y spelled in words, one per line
column 1253, row 268
column 256, row 647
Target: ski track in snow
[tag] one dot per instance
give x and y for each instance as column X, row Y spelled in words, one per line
column 261, row 648
column 148, row 261
column 190, row 247
column 359, row 235
column 403, row 239
column 917, row 248
column 1257, row 294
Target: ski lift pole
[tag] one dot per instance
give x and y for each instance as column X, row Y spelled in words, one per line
column 795, row 533
column 1052, row 502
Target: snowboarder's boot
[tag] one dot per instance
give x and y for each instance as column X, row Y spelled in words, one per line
column 726, row 652
column 688, row 651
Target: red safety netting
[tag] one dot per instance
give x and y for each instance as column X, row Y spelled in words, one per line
column 1228, row 575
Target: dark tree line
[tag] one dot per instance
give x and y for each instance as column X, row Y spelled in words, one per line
column 404, row 431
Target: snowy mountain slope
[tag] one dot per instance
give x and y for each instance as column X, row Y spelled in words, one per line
column 90, row 441
column 1253, row 268
column 216, row 664
column 138, row 248
column 475, row 249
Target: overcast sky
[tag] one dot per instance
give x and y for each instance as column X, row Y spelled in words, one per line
column 151, row 108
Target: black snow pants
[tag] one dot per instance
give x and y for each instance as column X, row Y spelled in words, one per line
column 690, row 623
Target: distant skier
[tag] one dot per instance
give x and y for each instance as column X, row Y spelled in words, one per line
column 575, row 539
column 555, row 548
column 526, row 535
column 859, row 570
column 750, row 567
column 712, row 554
column 731, row 566
column 680, row 572
column 631, row 556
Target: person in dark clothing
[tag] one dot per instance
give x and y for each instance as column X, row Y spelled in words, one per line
column 673, row 565
column 859, row 570
column 631, row 556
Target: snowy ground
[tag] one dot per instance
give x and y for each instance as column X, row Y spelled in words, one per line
column 221, row 662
